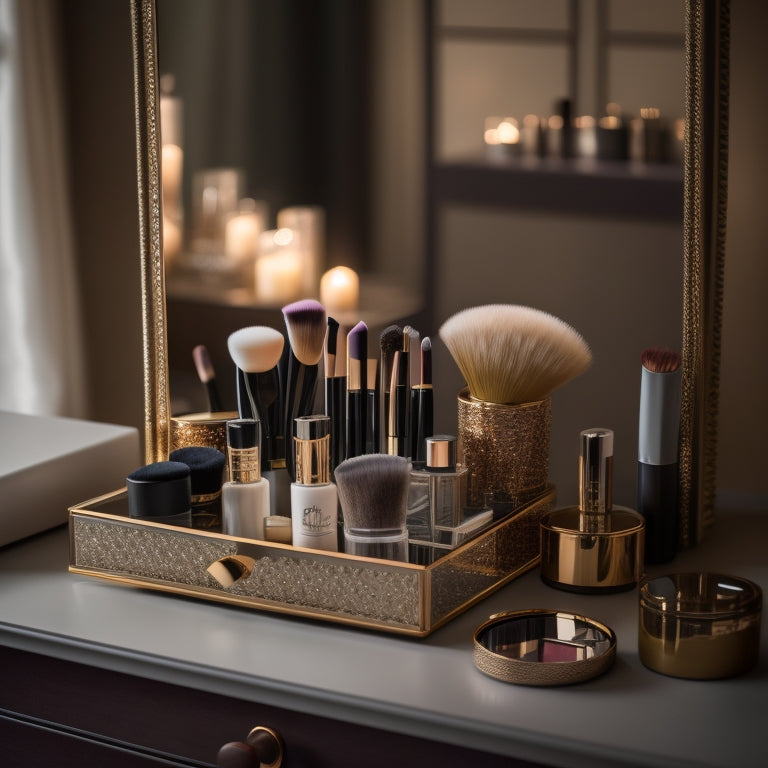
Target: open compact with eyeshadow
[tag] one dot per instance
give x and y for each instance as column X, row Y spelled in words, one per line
column 333, row 499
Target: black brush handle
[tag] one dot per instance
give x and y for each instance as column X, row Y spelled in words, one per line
column 335, row 408
column 657, row 502
column 301, row 383
column 355, row 436
column 244, row 405
column 372, row 425
column 424, row 423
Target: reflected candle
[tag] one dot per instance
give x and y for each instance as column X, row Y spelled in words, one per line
column 340, row 289
column 278, row 268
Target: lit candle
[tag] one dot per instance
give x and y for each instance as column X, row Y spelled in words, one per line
column 308, row 226
column 171, row 240
column 242, row 231
column 340, row 289
column 278, row 268
column 502, row 137
column 172, row 165
column 585, row 130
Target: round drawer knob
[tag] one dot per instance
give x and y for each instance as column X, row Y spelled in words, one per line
column 262, row 749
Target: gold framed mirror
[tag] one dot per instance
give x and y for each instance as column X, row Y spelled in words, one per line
column 705, row 185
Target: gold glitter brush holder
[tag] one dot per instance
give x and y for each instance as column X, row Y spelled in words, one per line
column 506, row 450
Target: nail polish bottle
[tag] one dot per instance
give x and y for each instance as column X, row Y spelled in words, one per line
column 314, row 498
column 245, row 497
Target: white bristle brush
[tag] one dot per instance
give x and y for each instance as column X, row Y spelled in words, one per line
column 306, row 323
column 509, row 353
column 256, row 351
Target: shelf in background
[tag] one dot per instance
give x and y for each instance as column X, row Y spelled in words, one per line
column 580, row 186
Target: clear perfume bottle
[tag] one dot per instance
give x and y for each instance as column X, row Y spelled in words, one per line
column 437, row 511
column 245, row 497
column 314, row 498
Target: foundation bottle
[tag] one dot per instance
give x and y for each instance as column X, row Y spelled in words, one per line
column 314, row 498
column 245, row 497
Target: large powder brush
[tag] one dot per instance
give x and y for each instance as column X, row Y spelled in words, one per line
column 509, row 353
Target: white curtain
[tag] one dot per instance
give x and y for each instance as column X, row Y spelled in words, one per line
column 41, row 358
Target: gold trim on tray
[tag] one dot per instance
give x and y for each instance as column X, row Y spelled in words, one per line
column 361, row 591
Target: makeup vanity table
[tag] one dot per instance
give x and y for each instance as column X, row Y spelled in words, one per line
column 96, row 673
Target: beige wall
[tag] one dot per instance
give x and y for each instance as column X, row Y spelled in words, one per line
column 743, row 422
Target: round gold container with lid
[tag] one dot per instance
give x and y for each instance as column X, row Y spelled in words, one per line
column 201, row 429
column 600, row 561
column 699, row 625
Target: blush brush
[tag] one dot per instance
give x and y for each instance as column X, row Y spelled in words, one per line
column 306, row 322
column 514, row 354
column 657, row 455
column 256, row 351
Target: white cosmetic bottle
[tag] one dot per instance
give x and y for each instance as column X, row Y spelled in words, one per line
column 245, row 497
column 314, row 499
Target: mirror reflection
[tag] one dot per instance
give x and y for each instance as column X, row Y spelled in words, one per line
column 374, row 129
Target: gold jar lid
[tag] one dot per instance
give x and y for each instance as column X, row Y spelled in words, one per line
column 699, row 625
column 543, row 647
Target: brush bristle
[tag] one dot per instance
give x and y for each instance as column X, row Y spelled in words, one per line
column 373, row 491
column 357, row 342
column 426, row 361
column 514, row 354
column 306, row 324
column 203, row 363
column 256, row 349
column 391, row 340
column 660, row 360
column 332, row 336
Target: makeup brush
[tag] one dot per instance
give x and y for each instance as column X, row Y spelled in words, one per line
column 256, row 351
column 335, row 395
column 399, row 407
column 357, row 384
column 373, row 494
column 423, row 405
column 391, row 340
column 306, row 322
column 513, row 354
column 207, row 376
column 657, row 454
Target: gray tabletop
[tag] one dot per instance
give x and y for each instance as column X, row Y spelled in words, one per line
column 428, row 687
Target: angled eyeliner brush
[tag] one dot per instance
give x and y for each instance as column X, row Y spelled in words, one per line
column 207, row 376
column 306, row 324
column 391, row 340
column 357, row 375
column 423, row 404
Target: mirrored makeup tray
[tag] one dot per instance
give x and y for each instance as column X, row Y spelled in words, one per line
column 365, row 592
